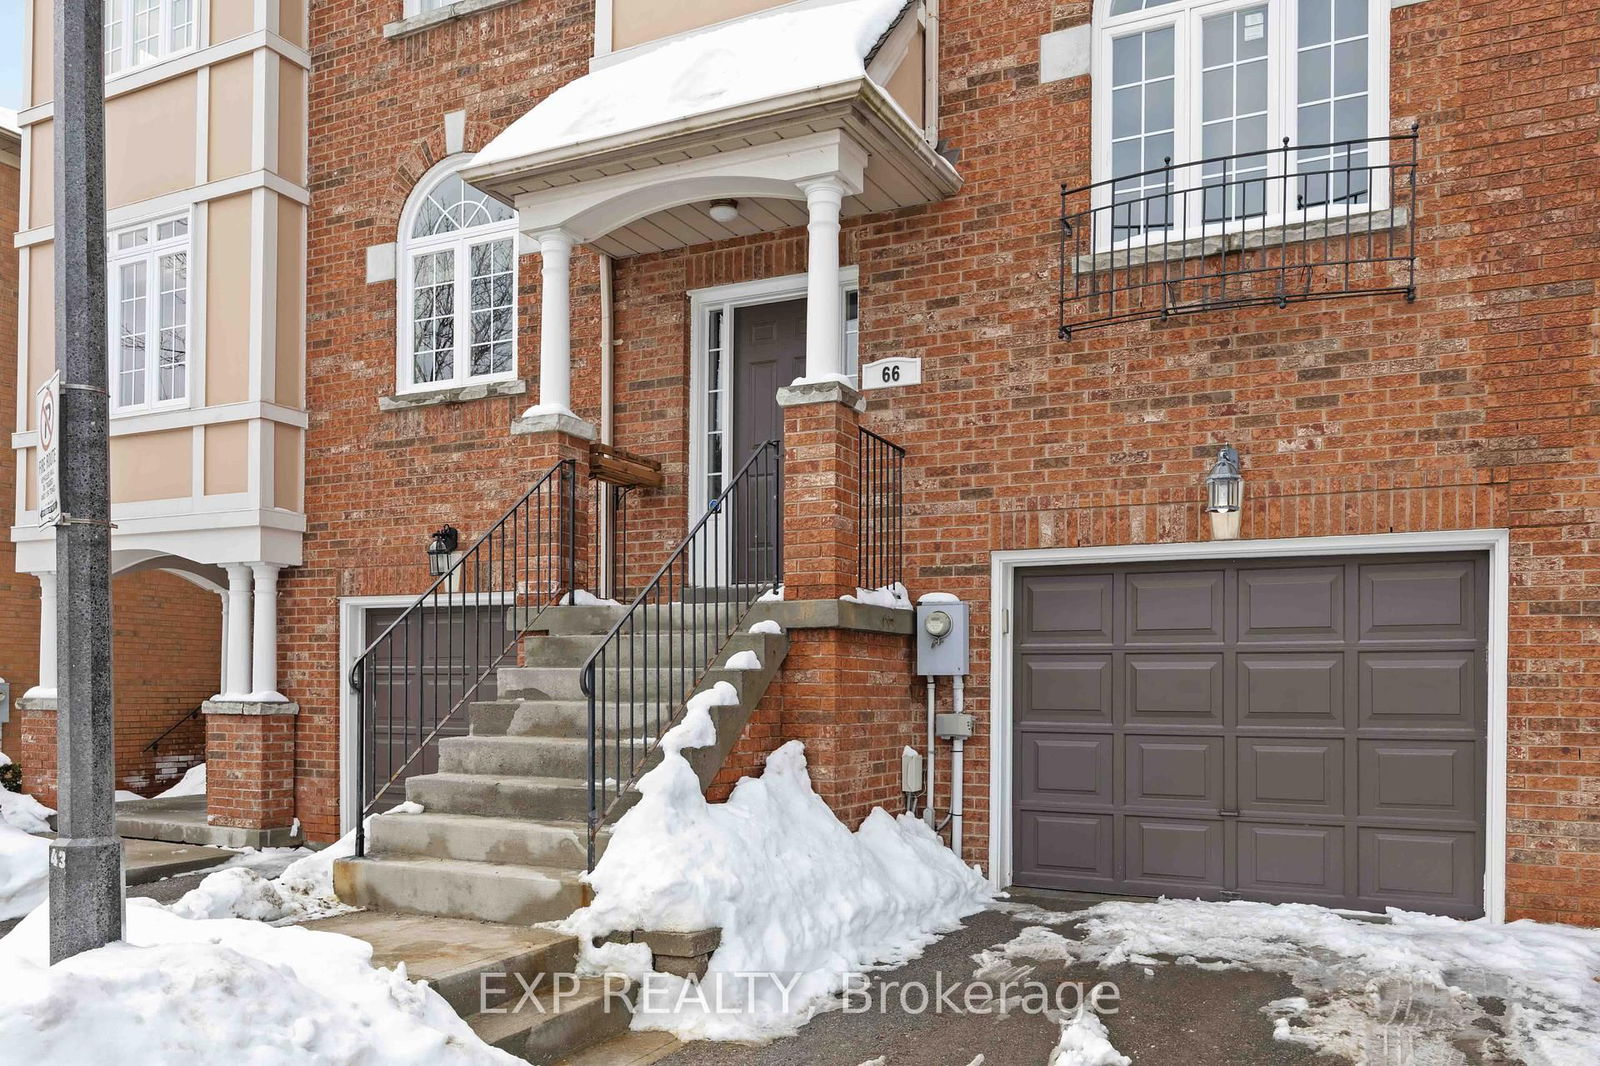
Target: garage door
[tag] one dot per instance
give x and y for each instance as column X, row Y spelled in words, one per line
column 1272, row 730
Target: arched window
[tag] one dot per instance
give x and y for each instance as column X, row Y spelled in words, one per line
column 458, row 285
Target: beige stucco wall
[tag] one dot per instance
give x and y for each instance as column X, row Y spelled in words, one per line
column 227, row 458
column 291, row 122
column 232, row 93
column 288, row 458
column 152, row 466
column 228, row 300
column 41, row 175
column 907, row 85
column 291, row 21
column 638, row 21
column 290, row 374
column 230, row 19
column 150, row 142
column 44, row 45
column 41, row 324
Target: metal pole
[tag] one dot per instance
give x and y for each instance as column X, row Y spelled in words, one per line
column 86, row 901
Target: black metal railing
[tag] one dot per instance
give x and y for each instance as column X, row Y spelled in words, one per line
column 1297, row 222
column 649, row 663
column 419, row 673
column 880, row 512
column 173, row 728
column 616, row 475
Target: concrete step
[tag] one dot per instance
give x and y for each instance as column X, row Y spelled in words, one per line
column 566, row 682
column 481, row 891
column 573, row 621
column 535, row 756
column 472, row 838
column 695, row 645
column 562, row 1018
column 537, row 798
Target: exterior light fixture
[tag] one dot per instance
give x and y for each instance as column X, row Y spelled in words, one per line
column 442, row 553
column 724, row 211
column 1225, row 495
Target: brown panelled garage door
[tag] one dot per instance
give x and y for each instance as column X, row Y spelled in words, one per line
column 1295, row 730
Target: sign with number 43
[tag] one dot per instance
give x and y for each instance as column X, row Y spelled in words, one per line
column 891, row 373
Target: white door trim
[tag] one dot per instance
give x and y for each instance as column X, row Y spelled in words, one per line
column 1004, row 566
column 728, row 298
column 353, row 639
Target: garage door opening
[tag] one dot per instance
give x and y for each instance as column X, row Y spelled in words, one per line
column 1286, row 730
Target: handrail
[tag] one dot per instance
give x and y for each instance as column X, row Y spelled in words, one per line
column 525, row 562
column 880, row 512
column 156, row 743
column 644, row 668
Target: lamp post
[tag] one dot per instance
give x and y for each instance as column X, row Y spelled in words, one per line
column 86, row 901
column 1225, row 495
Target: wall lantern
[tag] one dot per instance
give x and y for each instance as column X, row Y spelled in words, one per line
column 1225, row 495
column 724, row 211
column 442, row 553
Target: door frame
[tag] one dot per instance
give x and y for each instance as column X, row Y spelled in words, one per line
column 1004, row 568
column 353, row 639
column 728, row 299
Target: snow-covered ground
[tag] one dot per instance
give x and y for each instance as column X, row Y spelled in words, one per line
column 192, row 783
column 796, row 894
column 223, row 992
column 24, row 858
column 1415, row 979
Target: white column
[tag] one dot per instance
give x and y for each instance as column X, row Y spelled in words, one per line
column 237, row 681
column 46, row 688
column 264, row 675
column 555, row 324
column 824, row 306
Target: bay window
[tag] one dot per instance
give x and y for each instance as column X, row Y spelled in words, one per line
column 147, row 277
column 144, row 31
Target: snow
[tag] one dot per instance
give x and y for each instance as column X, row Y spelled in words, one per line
column 894, row 595
column 1085, row 1042
column 757, row 58
column 771, row 596
column 742, row 660
column 193, row 783
column 22, row 812
column 585, row 598
column 304, row 889
column 938, row 597
column 8, row 121
column 222, row 993
column 794, row 891
column 767, row 626
column 1420, row 973
column 122, row 795
column 24, row 857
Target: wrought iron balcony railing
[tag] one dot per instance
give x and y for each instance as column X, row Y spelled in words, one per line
column 1298, row 222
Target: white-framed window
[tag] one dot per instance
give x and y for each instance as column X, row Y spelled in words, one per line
column 422, row 7
column 1211, row 111
column 458, row 285
column 147, row 274
column 138, row 32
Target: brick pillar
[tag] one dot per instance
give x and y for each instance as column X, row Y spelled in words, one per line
column 250, row 764
column 820, row 489
column 36, row 747
column 551, row 437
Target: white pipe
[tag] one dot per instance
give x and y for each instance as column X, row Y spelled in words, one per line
column 956, row 773
column 927, row 813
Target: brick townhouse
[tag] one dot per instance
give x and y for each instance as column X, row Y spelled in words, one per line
column 1234, row 363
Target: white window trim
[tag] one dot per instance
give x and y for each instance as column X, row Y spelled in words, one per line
column 199, row 18
column 727, row 299
column 150, row 254
column 406, row 247
column 1282, row 88
column 1005, row 565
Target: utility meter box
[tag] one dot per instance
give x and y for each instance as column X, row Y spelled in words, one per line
column 5, row 701
column 941, row 636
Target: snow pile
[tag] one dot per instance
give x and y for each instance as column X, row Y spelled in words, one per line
column 193, row 783
column 223, row 993
column 24, row 871
column 1085, row 1042
column 1419, row 974
column 894, row 596
column 767, row 626
column 742, row 660
column 585, row 598
column 23, row 813
column 795, row 893
column 756, row 58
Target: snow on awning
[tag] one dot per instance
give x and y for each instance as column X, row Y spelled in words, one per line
column 760, row 57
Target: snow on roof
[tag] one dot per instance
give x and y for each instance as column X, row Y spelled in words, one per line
column 8, row 122
column 755, row 58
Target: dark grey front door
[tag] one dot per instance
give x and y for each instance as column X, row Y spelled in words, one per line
column 416, row 687
column 769, row 352
column 1308, row 731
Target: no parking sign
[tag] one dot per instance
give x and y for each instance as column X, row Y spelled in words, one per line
column 48, row 409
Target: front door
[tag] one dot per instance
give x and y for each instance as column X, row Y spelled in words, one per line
column 769, row 352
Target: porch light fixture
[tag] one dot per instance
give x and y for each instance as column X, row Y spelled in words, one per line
column 1225, row 494
column 724, row 211
column 442, row 553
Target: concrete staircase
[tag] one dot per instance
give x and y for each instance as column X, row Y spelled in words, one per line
column 502, row 835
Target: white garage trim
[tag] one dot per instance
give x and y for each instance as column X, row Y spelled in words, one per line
column 1004, row 565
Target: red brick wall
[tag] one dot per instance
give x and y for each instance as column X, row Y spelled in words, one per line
column 257, row 788
column 19, row 594
column 1474, row 406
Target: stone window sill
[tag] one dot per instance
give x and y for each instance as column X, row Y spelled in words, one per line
column 481, row 390
column 449, row 13
column 1357, row 224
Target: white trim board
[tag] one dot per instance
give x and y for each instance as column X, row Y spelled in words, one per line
column 1004, row 566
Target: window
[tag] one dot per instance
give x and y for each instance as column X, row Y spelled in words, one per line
column 142, row 31
column 148, row 280
column 1215, row 110
column 458, row 310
